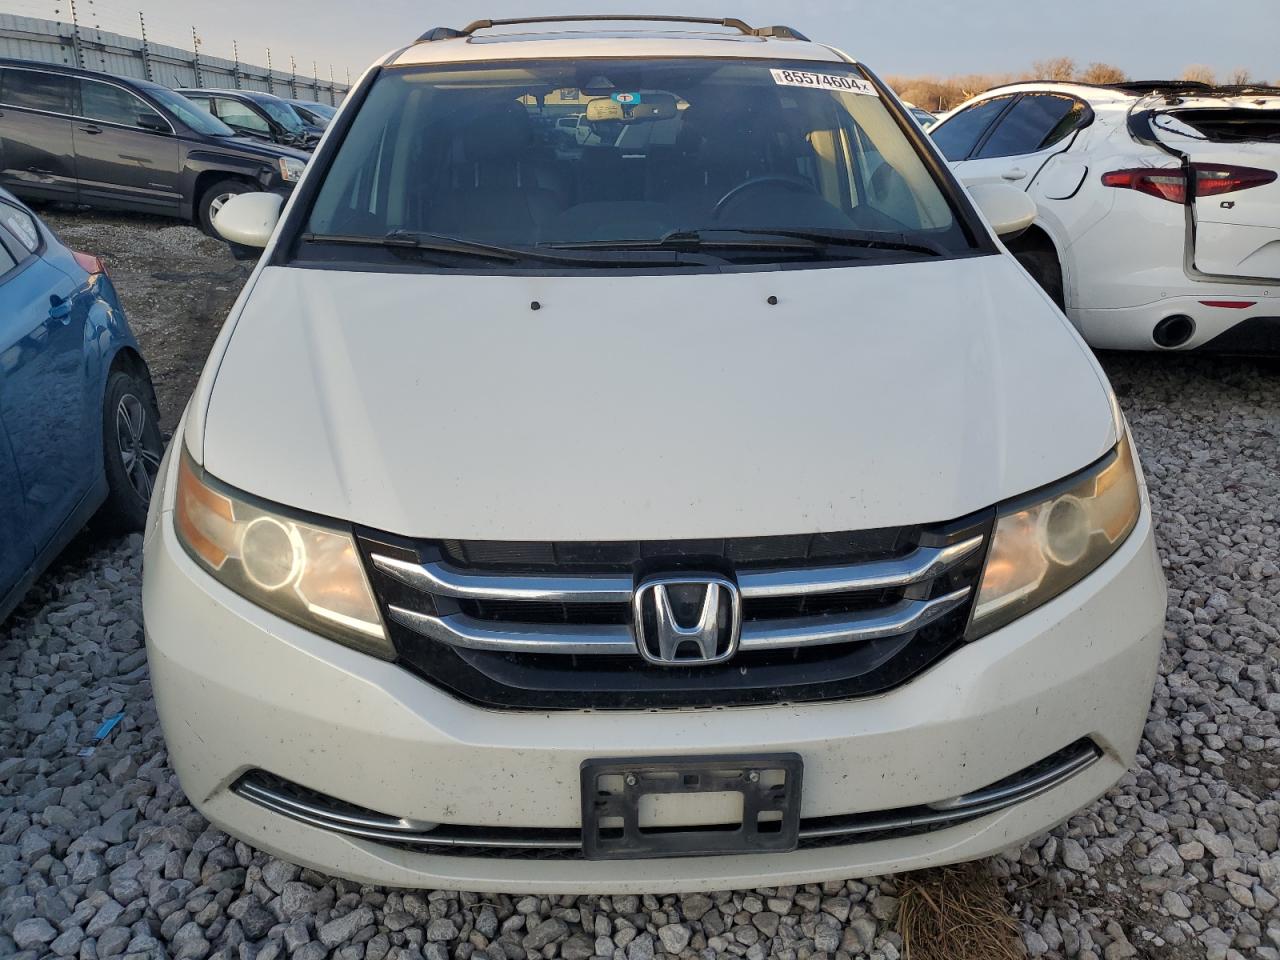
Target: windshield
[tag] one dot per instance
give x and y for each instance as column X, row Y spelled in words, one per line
column 695, row 152
column 198, row 119
column 319, row 109
column 282, row 114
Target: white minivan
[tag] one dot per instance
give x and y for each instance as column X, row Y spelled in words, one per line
column 724, row 509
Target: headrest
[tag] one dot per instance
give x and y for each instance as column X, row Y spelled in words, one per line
column 497, row 133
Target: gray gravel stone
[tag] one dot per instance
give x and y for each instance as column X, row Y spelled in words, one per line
column 112, row 942
column 345, row 927
column 547, row 932
column 33, row 933
column 674, row 937
column 445, row 929
column 694, row 906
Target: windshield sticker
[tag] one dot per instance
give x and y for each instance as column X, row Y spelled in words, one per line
column 823, row 81
column 627, row 99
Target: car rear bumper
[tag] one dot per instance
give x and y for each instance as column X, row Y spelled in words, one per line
column 1218, row 313
column 241, row 691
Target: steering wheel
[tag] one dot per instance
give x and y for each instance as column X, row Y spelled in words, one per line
column 793, row 183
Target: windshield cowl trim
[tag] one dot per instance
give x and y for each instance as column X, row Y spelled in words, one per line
column 371, row 260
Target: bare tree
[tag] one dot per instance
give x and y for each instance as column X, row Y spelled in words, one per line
column 1103, row 73
column 1199, row 73
column 1055, row 68
column 1240, row 77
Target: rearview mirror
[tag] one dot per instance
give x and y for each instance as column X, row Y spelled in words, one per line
column 249, row 219
column 1009, row 210
column 149, row 121
column 632, row 108
column 602, row 110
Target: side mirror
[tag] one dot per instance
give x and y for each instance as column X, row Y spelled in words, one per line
column 1009, row 210
column 249, row 219
column 149, row 121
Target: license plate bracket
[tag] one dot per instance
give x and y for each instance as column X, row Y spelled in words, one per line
column 612, row 791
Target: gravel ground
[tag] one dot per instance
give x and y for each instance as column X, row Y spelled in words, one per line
column 104, row 856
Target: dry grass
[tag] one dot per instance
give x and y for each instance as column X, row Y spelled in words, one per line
column 956, row 913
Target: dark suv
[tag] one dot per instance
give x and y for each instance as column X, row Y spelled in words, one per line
column 252, row 113
column 124, row 144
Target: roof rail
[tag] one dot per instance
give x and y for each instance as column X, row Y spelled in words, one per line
column 448, row 33
column 440, row 33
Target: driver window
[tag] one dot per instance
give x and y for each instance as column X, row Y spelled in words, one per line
column 111, row 104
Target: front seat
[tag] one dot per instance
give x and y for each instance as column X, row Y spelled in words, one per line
column 493, row 193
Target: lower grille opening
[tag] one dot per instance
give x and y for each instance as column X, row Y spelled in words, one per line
column 542, row 843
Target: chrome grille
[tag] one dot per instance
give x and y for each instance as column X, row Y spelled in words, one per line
column 561, row 634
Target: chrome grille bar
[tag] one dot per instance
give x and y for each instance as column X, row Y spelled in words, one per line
column 971, row 806
column 469, row 633
column 446, row 581
column 902, row 617
column 442, row 580
column 603, row 640
column 923, row 564
column 392, row 829
column 1023, row 788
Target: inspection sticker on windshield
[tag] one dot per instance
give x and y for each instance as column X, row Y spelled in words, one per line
column 822, row 81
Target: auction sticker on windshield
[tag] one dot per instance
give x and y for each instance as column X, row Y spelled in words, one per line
column 822, row 81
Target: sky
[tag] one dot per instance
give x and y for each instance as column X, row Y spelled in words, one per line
column 891, row 36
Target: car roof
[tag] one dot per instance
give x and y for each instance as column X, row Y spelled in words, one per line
column 1184, row 92
column 246, row 94
column 1093, row 93
column 573, row 37
column 68, row 70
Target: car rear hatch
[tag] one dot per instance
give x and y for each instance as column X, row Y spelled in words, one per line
column 1229, row 144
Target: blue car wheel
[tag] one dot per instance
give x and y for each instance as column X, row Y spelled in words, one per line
column 132, row 450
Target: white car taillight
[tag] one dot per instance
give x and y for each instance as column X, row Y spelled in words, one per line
column 1170, row 183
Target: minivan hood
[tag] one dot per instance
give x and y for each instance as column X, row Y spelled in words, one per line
column 642, row 407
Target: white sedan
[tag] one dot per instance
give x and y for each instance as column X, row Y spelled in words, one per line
column 1159, row 224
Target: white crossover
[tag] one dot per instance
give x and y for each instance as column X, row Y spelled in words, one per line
column 1159, row 225
column 709, row 506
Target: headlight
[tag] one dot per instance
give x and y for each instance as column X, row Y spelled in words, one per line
column 303, row 571
column 1042, row 548
column 291, row 169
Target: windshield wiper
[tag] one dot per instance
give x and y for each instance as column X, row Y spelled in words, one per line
column 869, row 239
column 407, row 240
column 429, row 243
column 733, row 238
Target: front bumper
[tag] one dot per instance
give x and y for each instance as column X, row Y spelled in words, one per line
column 240, row 690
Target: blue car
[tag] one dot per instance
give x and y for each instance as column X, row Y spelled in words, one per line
column 79, row 433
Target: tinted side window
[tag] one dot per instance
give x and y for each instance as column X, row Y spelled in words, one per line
column 236, row 114
column 37, row 91
column 1035, row 123
column 111, row 104
column 21, row 225
column 958, row 135
column 7, row 262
